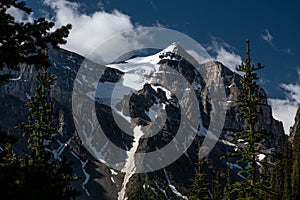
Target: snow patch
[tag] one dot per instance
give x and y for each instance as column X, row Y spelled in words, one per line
column 168, row 93
column 130, row 167
column 15, row 79
column 228, row 143
column 173, row 188
column 98, row 154
column 112, row 179
column 204, row 132
column 128, row 119
column 27, row 96
column 232, row 84
column 261, row 157
column 231, row 165
column 210, row 193
column 113, row 172
column 162, row 190
column 87, row 176
column 57, row 152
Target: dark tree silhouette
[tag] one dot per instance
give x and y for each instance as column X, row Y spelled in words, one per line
column 25, row 42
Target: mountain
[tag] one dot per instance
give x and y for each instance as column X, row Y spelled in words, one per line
column 142, row 104
column 296, row 126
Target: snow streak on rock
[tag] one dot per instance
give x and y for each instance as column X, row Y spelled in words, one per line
column 130, row 167
column 173, row 188
column 87, row 175
column 57, row 152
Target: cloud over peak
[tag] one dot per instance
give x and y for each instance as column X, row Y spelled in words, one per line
column 89, row 31
column 224, row 53
column 285, row 109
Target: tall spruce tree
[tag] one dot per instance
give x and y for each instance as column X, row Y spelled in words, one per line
column 42, row 177
column 278, row 170
column 199, row 189
column 227, row 194
column 287, row 171
column 250, row 99
column 217, row 187
column 147, row 189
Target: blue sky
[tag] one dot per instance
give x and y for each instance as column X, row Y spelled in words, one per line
column 273, row 28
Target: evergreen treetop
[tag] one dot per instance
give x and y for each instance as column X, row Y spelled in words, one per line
column 249, row 100
column 22, row 42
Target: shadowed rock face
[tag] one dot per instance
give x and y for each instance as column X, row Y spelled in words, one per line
column 101, row 182
column 295, row 127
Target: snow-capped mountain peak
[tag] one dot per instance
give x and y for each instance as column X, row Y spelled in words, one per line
column 174, row 48
column 175, row 52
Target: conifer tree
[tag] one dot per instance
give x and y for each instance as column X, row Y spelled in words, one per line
column 287, row 171
column 295, row 180
column 147, row 189
column 24, row 42
column 39, row 129
column 228, row 188
column 278, row 170
column 199, row 190
column 217, row 187
column 254, row 187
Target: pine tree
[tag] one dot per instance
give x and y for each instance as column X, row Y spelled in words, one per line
column 199, row 188
column 278, row 170
column 255, row 187
column 217, row 187
column 287, row 160
column 147, row 189
column 228, row 188
column 25, row 42
column 295, row 180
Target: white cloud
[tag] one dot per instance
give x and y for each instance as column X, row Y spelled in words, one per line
column 266, row 36
column 19, row 15
column 285, row 109
column 293, row 91
column 91, row 31
column 229, row 59
column 225, row 54
column 198, row 56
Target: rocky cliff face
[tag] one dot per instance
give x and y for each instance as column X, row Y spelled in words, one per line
column 151, row 106
column 295, row 126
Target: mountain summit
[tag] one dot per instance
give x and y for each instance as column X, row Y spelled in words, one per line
column 174, row 48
